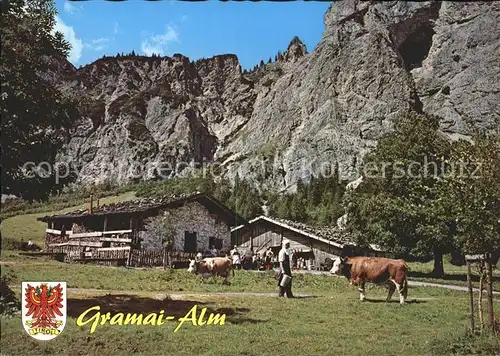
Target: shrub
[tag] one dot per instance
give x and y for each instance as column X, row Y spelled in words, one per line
column 485, row 344
column 9, row 304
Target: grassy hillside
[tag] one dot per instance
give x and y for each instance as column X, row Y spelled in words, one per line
column 26, row 227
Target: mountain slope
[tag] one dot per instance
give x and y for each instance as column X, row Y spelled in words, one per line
column 297, row 115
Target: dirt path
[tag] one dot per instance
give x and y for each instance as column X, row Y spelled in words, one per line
column 410, row 282
column 183, row 296
column 447, row 286
column 82, row 292
column 175, row 295
column 22, row 263
column 86, row 293
column 92, row 292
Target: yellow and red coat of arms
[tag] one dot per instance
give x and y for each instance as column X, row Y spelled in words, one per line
column 44, row 309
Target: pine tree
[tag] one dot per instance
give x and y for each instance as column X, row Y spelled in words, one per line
column 284, row 207
column 245, row 199
column 222, row 191
column 316, row 189
column 301, row 189
column 310, row 192
column 297, row 209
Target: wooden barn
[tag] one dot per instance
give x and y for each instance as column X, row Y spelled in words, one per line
column 310, row 243
column 116, row 233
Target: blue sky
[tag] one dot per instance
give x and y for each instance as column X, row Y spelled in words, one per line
column 251, row 30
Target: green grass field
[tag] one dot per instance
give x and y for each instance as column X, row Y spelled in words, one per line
column 26, row 227
column 332, row 321
column 455, row 275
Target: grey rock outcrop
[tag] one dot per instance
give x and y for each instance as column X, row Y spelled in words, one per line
column 459, row 80
column 296, row 116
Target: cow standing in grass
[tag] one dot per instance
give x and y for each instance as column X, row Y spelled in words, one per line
column 360, row 270
column 211, row 267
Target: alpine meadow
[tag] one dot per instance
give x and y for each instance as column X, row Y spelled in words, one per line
column 340, row 194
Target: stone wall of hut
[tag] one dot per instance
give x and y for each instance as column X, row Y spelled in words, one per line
column 195, row 218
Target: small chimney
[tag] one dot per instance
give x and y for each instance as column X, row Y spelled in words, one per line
column 90, row 204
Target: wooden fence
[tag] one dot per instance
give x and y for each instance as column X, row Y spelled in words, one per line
column 146, row 258
column 151, row 258
column 72, row 252
column 121, row 256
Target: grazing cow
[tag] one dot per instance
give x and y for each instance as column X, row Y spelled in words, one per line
column 374, row 270
column 214, row 266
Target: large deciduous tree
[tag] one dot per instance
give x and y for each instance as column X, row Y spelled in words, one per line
column 34, row 112
column 398, row 205
column 472, row 187
column 158, row 233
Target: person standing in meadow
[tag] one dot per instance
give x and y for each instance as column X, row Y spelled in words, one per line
column 284, row 259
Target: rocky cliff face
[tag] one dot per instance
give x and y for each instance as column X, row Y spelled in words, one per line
column 295, row 116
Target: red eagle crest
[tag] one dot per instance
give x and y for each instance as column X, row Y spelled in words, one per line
column 43, row 303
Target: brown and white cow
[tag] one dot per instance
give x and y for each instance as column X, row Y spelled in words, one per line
column 376, row 270
column 213, row 266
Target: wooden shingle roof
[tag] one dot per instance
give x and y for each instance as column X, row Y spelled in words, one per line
column 147, row 205
column 331, row 235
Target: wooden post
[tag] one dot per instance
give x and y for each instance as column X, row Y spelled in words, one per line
column 165, row 258
column 489, row 288
column 129, row 259
column 251, row 239
column 470, row 314
column 105, row 223
column 480, row 298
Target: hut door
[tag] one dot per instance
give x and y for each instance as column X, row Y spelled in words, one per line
column 189, row 242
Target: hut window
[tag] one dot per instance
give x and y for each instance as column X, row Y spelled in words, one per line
column 213, row 242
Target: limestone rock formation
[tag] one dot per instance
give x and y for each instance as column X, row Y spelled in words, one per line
column 296, row 116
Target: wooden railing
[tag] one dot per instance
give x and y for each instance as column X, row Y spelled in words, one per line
column 165, row 259
column 123, row 256
column 147, row 258
column 88, row 234
column 72, row 252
